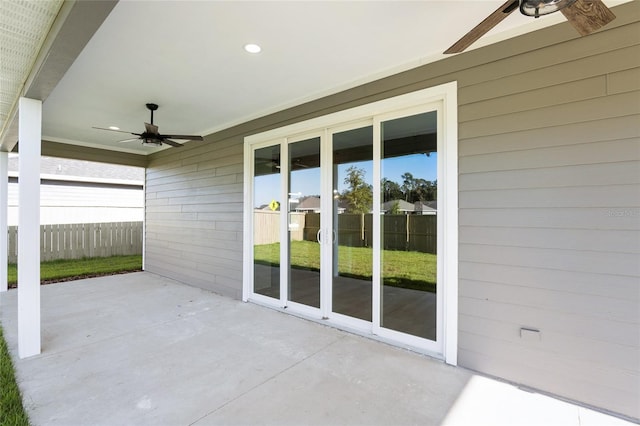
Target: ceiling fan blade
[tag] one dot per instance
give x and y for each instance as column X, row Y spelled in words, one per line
column 114, row 130
column 483, row 27
column 151, row 128
column 184, row 137
column 129, row 140
column 588, row 16
column 172, row 143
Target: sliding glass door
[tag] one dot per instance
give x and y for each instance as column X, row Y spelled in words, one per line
column 352, row 191
column 266, row 222
column 408, row 224
column 304, row 215
column 346, row 225
column 340, row 235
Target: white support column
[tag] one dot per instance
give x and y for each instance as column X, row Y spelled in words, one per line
column 29, row 139
column 4, row 208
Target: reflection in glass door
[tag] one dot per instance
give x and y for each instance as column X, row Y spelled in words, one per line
column 352, row 207
column 407, row 230
column 266, row 222
column 408, row 222
column 304, row 222
column 346, row 222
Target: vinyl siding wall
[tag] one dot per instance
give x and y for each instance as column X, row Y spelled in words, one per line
column 549, row 146
column 81, row 202
column 549, row 162
column 194, row 216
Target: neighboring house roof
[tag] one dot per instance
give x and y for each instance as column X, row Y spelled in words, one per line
column 309, row 203
column 304, row 204
column 51, row 167
column 426, row 206
column 312, row 203
column 267, row 208
column 403, row 206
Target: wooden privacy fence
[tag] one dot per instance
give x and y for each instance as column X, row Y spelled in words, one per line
column 75, row 241
column 266, row 225
column 410, row 232
column 401, row 232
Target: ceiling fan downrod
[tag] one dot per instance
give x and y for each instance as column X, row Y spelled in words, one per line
column 152, row 107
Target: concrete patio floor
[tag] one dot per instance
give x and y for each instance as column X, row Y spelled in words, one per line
column 139, row 349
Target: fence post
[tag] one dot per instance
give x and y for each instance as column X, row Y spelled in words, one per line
column 90, row 232
column 43, row 242
column 121, row 239
column 46, row 242
column 67, row 242
column 99, row 240
column 56, row 246
column 109, row 239
column 139, row 230
column 77, row 242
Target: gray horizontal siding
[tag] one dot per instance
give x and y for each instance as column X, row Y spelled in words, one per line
column 194, row 215
column 604, row 218
column 549, row 163
column 550, row 223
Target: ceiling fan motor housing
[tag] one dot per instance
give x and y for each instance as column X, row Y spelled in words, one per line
column 537, row 8
column 152, row 141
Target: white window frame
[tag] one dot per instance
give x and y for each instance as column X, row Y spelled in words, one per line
column 445, row 98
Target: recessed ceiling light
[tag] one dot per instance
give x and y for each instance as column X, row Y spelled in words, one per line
column 114, row 128
column 252, row 48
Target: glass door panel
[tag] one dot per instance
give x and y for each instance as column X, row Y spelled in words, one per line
column 304, row 222
column 351, row 233
column 409, row 193
column 343, row 219
column 266, row 221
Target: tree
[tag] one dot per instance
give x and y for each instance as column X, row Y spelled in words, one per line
column 359, row 194
column 418, row 189
column 408, row 186
column 427, row 190
column 391, row 190
column 424, row 190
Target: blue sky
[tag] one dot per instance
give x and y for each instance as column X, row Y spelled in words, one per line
column 308, row 181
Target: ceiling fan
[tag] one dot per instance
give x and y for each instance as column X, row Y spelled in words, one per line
column 151, row 136
column 586, row 16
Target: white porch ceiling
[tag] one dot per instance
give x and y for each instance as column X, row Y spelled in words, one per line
column 188, row 57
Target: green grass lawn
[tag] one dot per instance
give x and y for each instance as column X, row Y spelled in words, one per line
column 11, row 409
column 64, row 270
column 405, row 269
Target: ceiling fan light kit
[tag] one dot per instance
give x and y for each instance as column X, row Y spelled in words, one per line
column 151, row 135
column 537, row 8
column 586, row 16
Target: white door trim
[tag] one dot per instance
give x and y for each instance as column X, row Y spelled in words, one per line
column 445, row 96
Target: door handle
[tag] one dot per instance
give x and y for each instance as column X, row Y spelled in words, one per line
column 333, row 237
